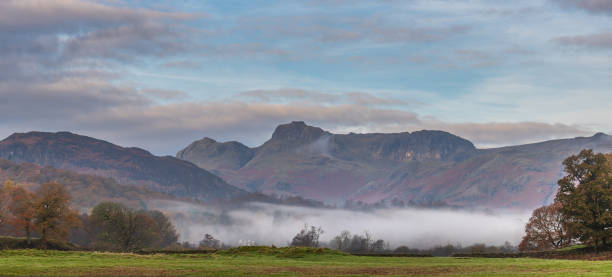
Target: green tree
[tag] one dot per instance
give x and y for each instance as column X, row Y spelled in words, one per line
column 120, row 228
column 585, row 195
column 167, row 232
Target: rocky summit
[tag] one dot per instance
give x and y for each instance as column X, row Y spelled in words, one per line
column 422, row 167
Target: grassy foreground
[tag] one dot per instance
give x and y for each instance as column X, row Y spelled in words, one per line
column 256, row 261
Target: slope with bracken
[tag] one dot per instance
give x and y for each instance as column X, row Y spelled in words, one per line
column 422, row 167
column 86, row 190
column 132, row 166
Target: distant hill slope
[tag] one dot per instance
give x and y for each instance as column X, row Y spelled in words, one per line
column 419, row 167
column 86, row 190
column 131, row 166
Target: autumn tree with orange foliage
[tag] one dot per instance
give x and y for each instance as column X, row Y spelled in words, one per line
column 53, row 217
column 22, row 209
column 581, row 212
column 4, row 202
column 546, row 229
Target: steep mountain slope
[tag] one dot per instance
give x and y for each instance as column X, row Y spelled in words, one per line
column 210, row 154
column 517, row 176
column 419, row 167
column 86, row 190
column 310, row 162
column 131, row 166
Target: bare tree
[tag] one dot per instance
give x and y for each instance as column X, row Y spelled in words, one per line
column 210, row 241
column 307, row 237
column 342, row 241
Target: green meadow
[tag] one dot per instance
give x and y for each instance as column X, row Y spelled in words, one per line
column 281, row 262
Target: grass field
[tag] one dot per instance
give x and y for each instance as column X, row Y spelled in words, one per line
column 280, row 262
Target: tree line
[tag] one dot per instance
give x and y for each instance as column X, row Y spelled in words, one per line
column 309, row 236
column 46, row 214
column 582, row 210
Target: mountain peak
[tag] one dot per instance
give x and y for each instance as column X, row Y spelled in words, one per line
column 297, row 131
column 35, row 137
column 600, row 135
column 209, row 154
column 207, row 140
column 131, row 165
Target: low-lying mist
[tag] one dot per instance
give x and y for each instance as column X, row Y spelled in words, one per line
column 267, row 224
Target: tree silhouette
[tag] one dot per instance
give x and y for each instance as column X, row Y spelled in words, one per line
column 308, row 237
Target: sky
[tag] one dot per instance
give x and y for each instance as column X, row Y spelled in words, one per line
column 161, row 74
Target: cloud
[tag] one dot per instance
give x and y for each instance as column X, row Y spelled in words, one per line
column 593, row 41
column 165, row 94
column 377, row 32
column 61, row 99
column 64, row 65
column 292, row 95
column 592, row 6
column 130, row 118
column 319, row 28
column 126, row 41
column 474, row 58
column 182, row 64
column 417, row 228
column 73, row 15
column 251, row 123
column 44, row 37
column 504, row 133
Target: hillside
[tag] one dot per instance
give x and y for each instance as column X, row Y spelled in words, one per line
column 131, row 166
column 86, row 190
column 421, row 167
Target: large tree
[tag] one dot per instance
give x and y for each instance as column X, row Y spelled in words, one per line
column 5, row 202
column 167, row 232
column 22, row 207
column 53, row 217
column 585, row 196
column 546, row 229
column 120, row 228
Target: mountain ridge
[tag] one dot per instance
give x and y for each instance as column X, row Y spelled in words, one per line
column 128, row 165
column 86, row 190
column 423, row 166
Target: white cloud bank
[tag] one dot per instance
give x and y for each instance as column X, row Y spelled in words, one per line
column 417, row 228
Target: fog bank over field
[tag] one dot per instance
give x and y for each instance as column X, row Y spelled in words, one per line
column 268, row 224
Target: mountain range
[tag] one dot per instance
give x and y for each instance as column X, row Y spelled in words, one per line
column 410, row 168
column 130, row 166
column 422, row 167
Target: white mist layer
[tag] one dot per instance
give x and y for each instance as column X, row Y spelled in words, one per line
column 267, row 224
